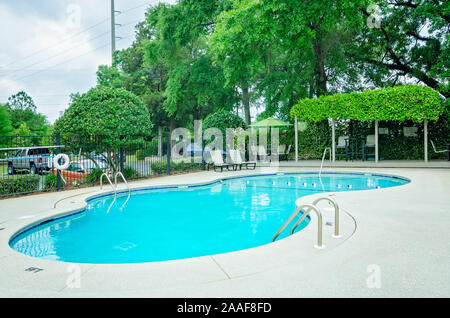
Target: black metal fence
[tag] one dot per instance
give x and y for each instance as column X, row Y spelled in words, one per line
column 59, row 162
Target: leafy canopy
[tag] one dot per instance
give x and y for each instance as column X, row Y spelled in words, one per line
column 5, row 121
column 116, row 115
column 223, row 119
column 400, row 103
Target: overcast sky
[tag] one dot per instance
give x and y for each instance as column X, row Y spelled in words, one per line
column 52, row 48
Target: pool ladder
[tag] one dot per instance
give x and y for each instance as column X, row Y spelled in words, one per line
column 115, row 186
column 323, row 160
column 306, row 209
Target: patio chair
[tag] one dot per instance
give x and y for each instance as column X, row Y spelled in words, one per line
column 288, row 151
column 285, row 154
column 259, row 151
column 438, row 151
column 369, row 144
column 262, row 154
column 217, row 161
column 236, row 158
column 342, row 144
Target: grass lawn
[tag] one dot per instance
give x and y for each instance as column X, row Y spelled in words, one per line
column 133, row 159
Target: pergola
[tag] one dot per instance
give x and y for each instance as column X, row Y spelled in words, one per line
column 407, row 102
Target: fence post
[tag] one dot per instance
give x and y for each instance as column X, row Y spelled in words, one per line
column 203, row 155
column 58, row 151
column 169, row 143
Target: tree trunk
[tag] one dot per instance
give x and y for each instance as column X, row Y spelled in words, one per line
column 246, row 103
column 319, row 67
column 160, row 141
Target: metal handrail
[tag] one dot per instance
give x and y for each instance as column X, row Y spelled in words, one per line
column 336, row 216
column 128, row 186
column 305, row 213
column 323, row 159
column 112, row 186
column 109, row 180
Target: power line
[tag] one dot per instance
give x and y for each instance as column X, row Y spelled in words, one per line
column 64, row 62
column 60, row 53
column 134, row 8
column 62, row 41
column 73, row 36
column 71, row 59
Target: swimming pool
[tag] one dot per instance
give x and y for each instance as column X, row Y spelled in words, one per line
column 183, row 222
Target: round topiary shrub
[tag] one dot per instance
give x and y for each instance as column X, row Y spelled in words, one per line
column 222, row 120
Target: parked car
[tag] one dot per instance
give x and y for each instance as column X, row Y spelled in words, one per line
column 78, row 170
column 33, row 159
column 195, row 150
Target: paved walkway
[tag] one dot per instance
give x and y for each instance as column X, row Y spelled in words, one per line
column 396, row 244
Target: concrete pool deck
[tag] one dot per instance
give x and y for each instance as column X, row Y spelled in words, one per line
column 396, row 243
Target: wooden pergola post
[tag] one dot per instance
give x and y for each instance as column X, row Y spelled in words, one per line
column 425, row 139
column 333, row 136
column 376, row 141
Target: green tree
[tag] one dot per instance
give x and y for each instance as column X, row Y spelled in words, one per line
column 223, row 119
column 287, row 50
column 411, row 42
column 109, row 77
column 23, row 130
column 21, row 101
column 22, row 109
column 105, row 119
column 194, row 86
column 5, row 121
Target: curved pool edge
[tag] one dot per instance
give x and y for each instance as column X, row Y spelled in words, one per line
column 105, row 193
column 80, row 207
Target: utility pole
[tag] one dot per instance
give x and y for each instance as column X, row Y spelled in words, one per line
column 113, row 32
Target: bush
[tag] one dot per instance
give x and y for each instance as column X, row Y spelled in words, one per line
column 105, row 120
column 184, row 166
column 400, row 103
column 129, row 173
column 159, row 167
column 51, row 182
column 16, row 185
column 94, row 176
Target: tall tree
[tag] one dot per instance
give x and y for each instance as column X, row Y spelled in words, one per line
column 194, row 86
column 411, row 41
column 288, row 49
column 5, row 121
column 22, row 109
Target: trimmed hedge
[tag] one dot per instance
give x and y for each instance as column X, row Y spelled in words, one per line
column 400, row 103
column 16, row 185
column 160, row 167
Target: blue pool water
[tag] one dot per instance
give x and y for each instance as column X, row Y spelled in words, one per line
column 176, row 223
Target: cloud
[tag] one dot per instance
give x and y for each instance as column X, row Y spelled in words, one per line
column 52, row 48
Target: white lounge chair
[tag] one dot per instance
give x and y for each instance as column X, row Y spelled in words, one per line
column 217, row 161
column 262, row 154
column 442, row 150
column 236, row 158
